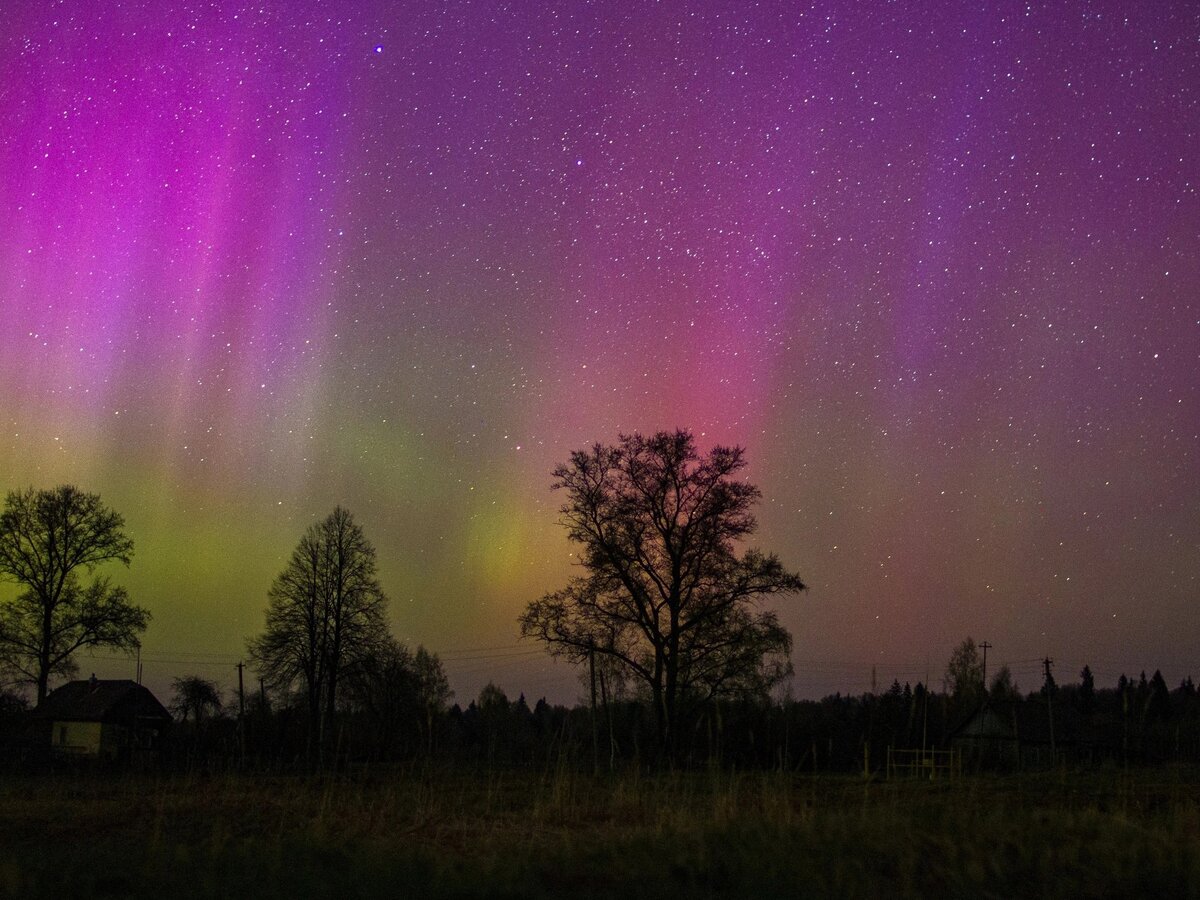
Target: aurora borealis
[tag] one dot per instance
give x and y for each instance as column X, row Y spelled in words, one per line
column 937, row 269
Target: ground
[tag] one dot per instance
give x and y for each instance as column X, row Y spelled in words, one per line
column 427, row 833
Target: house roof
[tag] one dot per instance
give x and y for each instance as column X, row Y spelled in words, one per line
column 97, row 700
column 1027, row 721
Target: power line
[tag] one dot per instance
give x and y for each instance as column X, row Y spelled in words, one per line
column 155, row 661
column 523, row 654
column 484, row 649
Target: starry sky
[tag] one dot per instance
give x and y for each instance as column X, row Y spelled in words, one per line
column 936, row 266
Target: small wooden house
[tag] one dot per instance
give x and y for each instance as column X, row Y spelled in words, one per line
column 102, row 719
column 1025, row 735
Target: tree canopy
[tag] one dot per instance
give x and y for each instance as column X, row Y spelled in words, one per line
column 195, row 697
column 964, row 674
column 666, row 593
column 325, row 614
column 47, row 538
column 397, row 691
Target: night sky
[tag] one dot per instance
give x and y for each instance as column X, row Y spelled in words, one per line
column 937, row 268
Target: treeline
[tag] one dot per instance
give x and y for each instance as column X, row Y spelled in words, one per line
column 400, row 712
column 1139, row 721
column 672, row 605
column 668, row 622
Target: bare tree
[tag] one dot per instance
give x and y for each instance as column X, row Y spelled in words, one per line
column 964, row 674
column 433, row 689
column 195, row 696
column 325, row 612
column 46, row 539
column 1003, row 689
column 397, row 691
column 666, row 594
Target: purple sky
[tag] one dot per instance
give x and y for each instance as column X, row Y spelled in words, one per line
column 936, row 267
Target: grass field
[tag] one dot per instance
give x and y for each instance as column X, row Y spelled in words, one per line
column 519, row 834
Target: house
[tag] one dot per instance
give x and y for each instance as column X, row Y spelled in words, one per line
column 1027, row 734
column 102, row 719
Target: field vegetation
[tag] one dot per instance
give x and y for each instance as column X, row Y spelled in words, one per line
column 427, row 832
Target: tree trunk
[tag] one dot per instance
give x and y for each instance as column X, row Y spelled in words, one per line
column 672, row 686
column 43, row 681
column 314, row 723
column 330, row 714
column 671, row 708
column 660, row 708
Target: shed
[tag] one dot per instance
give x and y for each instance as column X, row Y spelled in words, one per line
column 102, row 719
column 1025, row 734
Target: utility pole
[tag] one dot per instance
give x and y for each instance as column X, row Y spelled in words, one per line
column 241, row 693
column 139, row 662
column 985, row 646
column 1046, row 664
column 925, row 717
column 241, row 711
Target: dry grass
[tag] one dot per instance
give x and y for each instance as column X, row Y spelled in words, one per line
column 522, row 834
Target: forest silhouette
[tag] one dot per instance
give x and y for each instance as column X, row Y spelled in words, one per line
column 342, row 765
column 680, row 663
